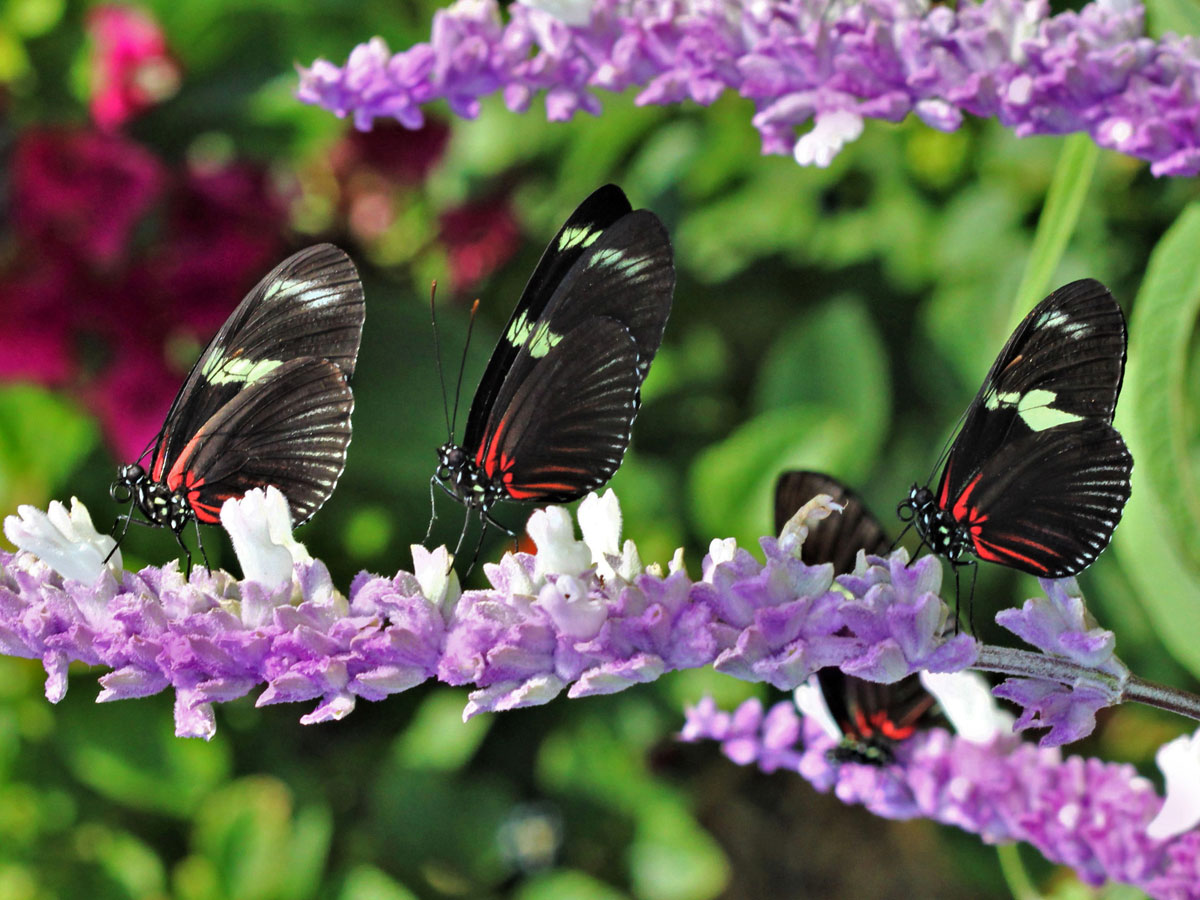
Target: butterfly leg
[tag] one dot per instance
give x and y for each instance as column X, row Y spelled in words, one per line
column 200, row 545
column 128, row 517
column 462, row 535
column 484, row 518
column 187, row 574
column 432, row 509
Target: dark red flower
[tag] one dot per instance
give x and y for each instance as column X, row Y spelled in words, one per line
column 391, row 151
column 79, row 194
column 131, row 68
column 479, row 237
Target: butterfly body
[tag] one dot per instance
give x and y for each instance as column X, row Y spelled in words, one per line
column 553, row 413
column 1037, row 477
column 267, row 403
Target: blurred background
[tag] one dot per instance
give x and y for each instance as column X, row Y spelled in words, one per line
column 154, row 165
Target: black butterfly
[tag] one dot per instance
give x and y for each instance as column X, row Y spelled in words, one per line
column 267, row 402
column 1037, row 477
column 553, row 412
column 873, row 717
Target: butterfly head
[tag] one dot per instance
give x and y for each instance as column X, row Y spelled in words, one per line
column 129, row 478
column 937, row 527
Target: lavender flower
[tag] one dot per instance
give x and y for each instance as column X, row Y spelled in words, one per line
column 1060, row 626
column 581, row 616
column 799, row 61
column 1085, row 813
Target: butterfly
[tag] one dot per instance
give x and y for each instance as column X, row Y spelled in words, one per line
column 1037, row 477
column 553, row 413
column 267, row 403
column 872, row 718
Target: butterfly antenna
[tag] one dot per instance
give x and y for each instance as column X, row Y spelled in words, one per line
column 462, row 366
column 437, row 355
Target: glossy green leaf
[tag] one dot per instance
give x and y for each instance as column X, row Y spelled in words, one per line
column 1155, row 539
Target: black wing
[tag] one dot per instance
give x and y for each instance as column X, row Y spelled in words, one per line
column 1048, row 502
column 310, row 305
column 586, row 354
column 837, row 538
column 567, row 426
column 602, row 208
column 876, row 714
column 290, row 429
column 1064, row 363
column 871, row 716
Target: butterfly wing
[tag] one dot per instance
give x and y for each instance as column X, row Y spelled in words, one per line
column 1064, row 363
column 566, row 428
column 1047, row 503
column 310, row 305
column 290, row 429
column 572, row 389
column 599, row 211
column 836, row 538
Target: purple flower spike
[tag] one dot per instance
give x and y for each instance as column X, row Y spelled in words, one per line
column 1093, row 816
column 580, row 616
column 807, row 65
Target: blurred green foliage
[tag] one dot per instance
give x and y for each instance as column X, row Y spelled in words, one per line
column 838, row 319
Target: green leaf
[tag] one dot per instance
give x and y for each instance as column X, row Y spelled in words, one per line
column 1064, row 200
column 832, row 357
column 732, row 483
column 32, row 467
column 673, row 858
column 1154, row 540
column 438, row 738
column 156, row 771
column 567, row 884
column 259, row 848
column 1179, row 16
column 369, row 883
column 824, row 389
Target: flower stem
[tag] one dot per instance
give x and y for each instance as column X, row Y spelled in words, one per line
column 1163, row 697
column 1027, row 664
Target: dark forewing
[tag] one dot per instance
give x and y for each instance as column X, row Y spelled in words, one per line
column 567, row 427
column 626, row 274
column 1048, row 502
column 601, row 209
column 837, row 538
column 1063, row 363
column 289, row 429
column 310, row 305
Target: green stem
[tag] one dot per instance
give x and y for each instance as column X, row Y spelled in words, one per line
column 1015, row 876
column 1064, row 202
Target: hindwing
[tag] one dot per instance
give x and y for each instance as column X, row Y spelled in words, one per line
column 310, row 305
column 289, row 429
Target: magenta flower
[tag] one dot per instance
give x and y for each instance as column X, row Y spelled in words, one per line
column 79, row 280
column 804, row 63
column 131, row 67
